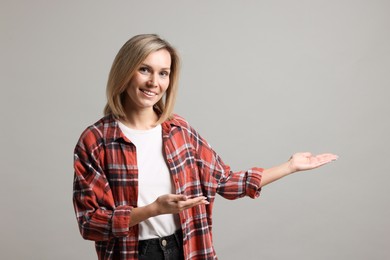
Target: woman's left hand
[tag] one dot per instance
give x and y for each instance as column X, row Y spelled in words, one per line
column 307, row 161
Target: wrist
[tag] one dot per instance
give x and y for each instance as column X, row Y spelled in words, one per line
column 290, row 167
column 153, row 209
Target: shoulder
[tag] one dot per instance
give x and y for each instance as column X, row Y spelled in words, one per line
column 180, row 125
column 180, row 122
column 97, row 134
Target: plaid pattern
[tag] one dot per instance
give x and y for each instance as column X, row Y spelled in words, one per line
column 106, row 187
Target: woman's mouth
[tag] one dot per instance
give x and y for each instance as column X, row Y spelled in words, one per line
column 148, row 93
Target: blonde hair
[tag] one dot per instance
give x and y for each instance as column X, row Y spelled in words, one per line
column 126, row 63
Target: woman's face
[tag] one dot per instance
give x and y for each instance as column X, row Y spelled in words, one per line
column 150, row 81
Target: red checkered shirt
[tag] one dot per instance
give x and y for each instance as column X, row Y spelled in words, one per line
column 106, row 186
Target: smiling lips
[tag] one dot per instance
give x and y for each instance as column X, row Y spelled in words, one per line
column 148, row 93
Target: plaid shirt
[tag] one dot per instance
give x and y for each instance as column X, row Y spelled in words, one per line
column 106, row 186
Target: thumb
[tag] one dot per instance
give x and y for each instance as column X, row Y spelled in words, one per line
column 307, row 154
column 179, row 197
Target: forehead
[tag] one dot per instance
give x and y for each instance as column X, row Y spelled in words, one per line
column 158, row 59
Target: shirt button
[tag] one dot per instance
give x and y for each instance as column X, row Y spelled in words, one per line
column 164, row 242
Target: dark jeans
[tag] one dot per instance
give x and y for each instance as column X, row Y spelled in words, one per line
column 164, row 248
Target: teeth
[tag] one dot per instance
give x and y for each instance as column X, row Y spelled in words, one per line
column 148, row 92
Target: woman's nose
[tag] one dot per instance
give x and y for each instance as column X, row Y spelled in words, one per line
column 152, row 82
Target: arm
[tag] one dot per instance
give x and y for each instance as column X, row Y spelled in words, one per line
column 297, row 162
column 98, row 217
column 165, row 204
column 217, row 177
column 232, row 185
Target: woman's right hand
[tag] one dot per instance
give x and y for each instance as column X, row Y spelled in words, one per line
column 174, row 203
column 165, row 204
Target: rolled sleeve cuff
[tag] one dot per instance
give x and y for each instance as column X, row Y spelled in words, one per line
column 121, row 221
column 253, row 182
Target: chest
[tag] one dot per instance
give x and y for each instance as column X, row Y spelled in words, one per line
column 122, row 166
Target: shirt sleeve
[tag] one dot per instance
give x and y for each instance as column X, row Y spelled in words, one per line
column 230, row 185
column 97, row 216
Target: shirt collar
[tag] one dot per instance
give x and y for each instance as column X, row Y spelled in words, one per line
column 112, row 131
column 167, row 124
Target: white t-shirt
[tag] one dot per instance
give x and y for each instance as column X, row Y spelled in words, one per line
column 154, row 180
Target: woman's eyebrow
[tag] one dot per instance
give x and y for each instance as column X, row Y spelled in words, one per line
column 145, row 65
column 150, row 67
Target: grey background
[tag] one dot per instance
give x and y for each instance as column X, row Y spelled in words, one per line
column 260, row 80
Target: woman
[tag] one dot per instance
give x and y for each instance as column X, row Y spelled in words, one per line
column 145, row 180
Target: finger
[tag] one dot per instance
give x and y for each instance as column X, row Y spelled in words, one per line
column 188, row 206
column 193, row 202
column 178, row 197
column 327, row 157
column 307, row 154
column 323, row 161
column 202, row 202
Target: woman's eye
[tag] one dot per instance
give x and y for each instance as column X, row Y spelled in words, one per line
column 144, row 70
column 164, row 73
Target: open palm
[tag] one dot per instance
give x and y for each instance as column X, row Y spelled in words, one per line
column 307, row 161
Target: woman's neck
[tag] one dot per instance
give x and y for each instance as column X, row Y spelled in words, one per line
column 141, row 119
